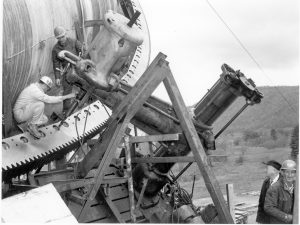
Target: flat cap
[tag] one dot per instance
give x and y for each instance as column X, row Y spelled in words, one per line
column 274, row 164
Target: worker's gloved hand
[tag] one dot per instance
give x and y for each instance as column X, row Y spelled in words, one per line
column 72, row 95
column 57, row 82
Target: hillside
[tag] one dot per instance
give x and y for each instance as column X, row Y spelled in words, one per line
column 261, row 133
column 272, row 112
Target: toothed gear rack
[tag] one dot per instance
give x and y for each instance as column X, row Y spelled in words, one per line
column 23, row 153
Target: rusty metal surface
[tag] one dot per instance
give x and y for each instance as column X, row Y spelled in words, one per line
column 22, row 153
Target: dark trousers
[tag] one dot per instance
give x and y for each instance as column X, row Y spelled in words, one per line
column 67, row 89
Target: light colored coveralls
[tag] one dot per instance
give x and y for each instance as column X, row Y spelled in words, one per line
column 30, row 105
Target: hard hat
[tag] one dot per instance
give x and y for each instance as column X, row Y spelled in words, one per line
column 47, row 80
column 288, row 165
column 59, row 32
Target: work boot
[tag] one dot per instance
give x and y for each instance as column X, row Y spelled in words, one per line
column 33, row 130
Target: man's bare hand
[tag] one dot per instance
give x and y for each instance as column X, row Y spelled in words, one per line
column 57, row 82
column 290, row 218
column 72, row 95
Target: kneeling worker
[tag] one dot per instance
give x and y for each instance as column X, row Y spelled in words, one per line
column 30, row 104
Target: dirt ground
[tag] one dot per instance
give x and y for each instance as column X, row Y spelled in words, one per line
column 248, row 199
column 246, row 175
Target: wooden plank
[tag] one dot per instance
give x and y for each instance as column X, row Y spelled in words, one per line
column 123, row 205
column 114, row 208
column 153, row 138
column 95, row 212
column 145, row 181
column 114, row 180
column 175, row 159
column 197, row 149
column 296, row 196
column 62, row 186
column 130, row 179
column 230, row 197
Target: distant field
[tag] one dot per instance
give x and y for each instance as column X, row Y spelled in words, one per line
column 245, row 176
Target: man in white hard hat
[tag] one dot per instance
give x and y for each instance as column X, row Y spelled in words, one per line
column 280, row 197
column 30, row 104
column 60, row 65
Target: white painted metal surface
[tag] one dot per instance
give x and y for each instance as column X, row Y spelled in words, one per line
column 40, row 205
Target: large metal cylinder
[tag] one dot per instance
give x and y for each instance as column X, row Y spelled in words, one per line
column 28, row 36
column 224, row 92
column 28, row 40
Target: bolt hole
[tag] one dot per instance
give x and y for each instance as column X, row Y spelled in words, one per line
column 24, row 139
column 97, row 107
column 55, row 127
column 87, row 112
column 65, row 124
column 42, row 133
column 5, row 146
column 77, row 118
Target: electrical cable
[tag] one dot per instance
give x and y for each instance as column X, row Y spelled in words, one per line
column 76, row 118
column 249, row 54
column 26, row 49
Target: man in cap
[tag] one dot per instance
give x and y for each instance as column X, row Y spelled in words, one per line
column 30, row 104
column 60, row 66
column 273, row 169
column 279, row 199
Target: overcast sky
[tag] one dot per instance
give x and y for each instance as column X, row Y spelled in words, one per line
column 197, row 43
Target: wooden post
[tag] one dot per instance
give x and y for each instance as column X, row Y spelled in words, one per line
column 192, row 137
column 230, row 198
column 130, row 179
column 296, row 196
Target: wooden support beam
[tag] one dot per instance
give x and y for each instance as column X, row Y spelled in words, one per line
column 142, row 90
column 157, row 72
column 130, row 179
column 197, row 149
column 145, row 182
column 149, row 81
column 230, row 200
column 152, row 138
column 62, row 186
column 119, row 121
column 174, row 159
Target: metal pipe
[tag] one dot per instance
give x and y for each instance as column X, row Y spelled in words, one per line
column 182, row 171
column 232, row 119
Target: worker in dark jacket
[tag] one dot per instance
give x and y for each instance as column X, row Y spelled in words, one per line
column 279, row 199
column 60, row 65
column 273, row 169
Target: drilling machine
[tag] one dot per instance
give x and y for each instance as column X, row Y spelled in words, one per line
column 158, row 195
